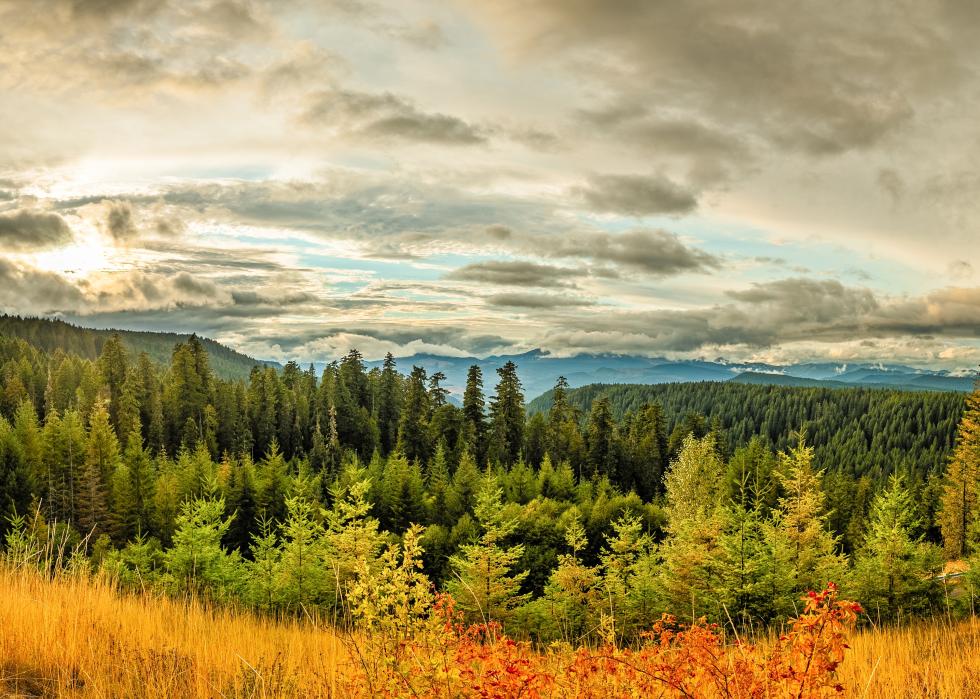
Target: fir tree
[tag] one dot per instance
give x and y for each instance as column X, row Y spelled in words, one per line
column 302, row 576
column 895, row 571
column 197, row 562
column 413, row 441
column 486, row 586
column 959, row 499
column 802, row 520
column 474, row 412
column 507, row 417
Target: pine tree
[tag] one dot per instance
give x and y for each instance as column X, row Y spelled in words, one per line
column 465, row 486
column 402, row 500
column 802, row 519
column 197, row 563
column 243, row 507
column 272, row 484
column 113, row 367
column 474, row 412
column 302, row 576
column 602, row 447
column 895, row 571
column 647, row 451
column 691, row 572
column 388, row 404
column 743, row 558
column 959, row 500
column 750, row 478
column 99, row 466
column 352, row 538
column 262, row 570
column 27, row 433
column 487, row 586
column 507, row 417
column 15, row 489
column 571, row 595
column 413, row 434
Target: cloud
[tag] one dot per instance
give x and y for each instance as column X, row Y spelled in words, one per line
column 514, row 273
column 799, row 78
column 636, row 195
column 24, row 229
column 119, row 221
column 387, row 116
column 29, row 290
column 538, row 301
column 655, row 252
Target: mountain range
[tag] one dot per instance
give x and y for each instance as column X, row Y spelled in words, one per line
column 539, row 371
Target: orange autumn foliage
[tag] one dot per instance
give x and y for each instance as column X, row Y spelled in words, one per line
column 446, row 658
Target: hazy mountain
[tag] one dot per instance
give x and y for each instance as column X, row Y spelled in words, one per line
column 538, row 372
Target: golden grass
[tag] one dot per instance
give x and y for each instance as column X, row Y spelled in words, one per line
column 80, row 638
column 936, row 660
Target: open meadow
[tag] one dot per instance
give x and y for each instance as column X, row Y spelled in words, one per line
column 80, row 638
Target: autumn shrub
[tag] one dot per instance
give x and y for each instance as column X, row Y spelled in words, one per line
column 444, row 657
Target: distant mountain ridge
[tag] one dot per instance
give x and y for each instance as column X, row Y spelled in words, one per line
column 538, row 372
column 50, row 334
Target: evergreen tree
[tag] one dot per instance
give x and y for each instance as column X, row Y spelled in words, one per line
column 402, row 500
column 197, row 563
column 627, row 551
column 487, row 586
column 571, row 595
column 602, row 448
column 474, row 412
column 895, row 571
column 691, row 572
column 507, row 417
column 959, row 500
column 99, row 466
column 466, row 484
column 302, row 576
column 263, row 566
column 352, row 538
column 113, row 366
column 646, row 449
column 802, row 520
column 388, row 405
column 750, row 478
column 413, row 441
column 242, row 507
column 15, row 488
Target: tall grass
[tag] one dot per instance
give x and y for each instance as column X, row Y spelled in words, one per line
column 79, row 637
column 73, row 636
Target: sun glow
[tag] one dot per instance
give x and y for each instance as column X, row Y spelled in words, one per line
column 83, row 258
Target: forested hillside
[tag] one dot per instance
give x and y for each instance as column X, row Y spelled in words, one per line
column 295, row 490
column 50, row 334
column 858, row 431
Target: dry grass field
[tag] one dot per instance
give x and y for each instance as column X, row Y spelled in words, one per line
column 80, row 638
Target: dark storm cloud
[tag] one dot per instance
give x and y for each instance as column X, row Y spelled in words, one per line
column 32, row 230
column 513, row 273
column 387, row 116
column 636, row 195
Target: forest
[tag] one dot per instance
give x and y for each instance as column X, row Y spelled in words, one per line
column 594, row 513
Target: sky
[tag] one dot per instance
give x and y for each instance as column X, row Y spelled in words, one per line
column 752, row 180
